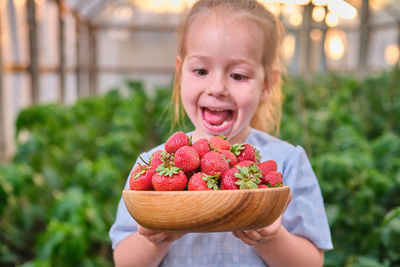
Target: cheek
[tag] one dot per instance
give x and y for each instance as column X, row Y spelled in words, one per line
column 189, row 100
column 248, row 100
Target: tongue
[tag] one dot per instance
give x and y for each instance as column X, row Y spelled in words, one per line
column 215, row 117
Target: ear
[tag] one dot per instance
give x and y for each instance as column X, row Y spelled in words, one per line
column 270, row 82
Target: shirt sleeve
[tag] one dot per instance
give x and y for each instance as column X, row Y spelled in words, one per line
column 124, row 224
column 305, row 216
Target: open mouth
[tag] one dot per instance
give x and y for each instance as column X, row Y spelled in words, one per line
column 217, row 119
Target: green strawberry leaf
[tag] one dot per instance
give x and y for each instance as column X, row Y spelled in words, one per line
column 168, row 171
column 211, row 181
column 236, row 149
column 160, row 167
column 139, row 173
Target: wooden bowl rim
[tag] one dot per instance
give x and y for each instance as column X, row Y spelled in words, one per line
column 185, row 192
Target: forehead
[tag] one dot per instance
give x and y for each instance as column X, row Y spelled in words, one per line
column 224, row 31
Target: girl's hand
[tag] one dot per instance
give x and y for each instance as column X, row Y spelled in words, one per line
column 158, row 237
column 254, row 237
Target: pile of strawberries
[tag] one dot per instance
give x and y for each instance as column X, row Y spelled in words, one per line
column 204, row 165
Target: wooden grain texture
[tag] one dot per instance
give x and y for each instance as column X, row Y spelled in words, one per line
column 206, row 211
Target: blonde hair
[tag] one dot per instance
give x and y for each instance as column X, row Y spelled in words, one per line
column 267, row 117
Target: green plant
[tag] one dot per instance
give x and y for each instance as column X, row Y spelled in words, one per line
column 59, row 194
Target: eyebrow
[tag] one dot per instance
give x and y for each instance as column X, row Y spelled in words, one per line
column 232, row 62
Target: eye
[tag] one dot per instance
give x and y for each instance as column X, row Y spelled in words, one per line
column 200, row 72
column 238, row 77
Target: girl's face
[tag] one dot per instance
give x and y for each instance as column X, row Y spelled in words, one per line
column 222, row 78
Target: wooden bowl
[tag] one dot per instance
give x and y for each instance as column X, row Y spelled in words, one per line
column 206, row 211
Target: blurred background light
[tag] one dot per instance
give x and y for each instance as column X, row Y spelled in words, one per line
column 392, row 54
column 378, row 4
column 316, row 34
column 274, row 8
column 289, row 45
column 162, row 6
column 296, row 18
column 289, row 9
column 342, row 9
column 18, row 3
column 318, row 13
column 296, row 2
column 319, row 2
column 331, row 19
column 335, row 44
column 122, row 13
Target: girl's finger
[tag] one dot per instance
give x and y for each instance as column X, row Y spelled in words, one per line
column 245, row 238
column 157, row 238
column 235, row 234
column 146, row 232
column 252, row 234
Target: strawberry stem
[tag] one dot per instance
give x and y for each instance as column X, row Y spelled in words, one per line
column 143, row 160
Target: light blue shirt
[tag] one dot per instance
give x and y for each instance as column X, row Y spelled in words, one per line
column 305, row 216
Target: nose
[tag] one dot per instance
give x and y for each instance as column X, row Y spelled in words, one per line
column 217, row 86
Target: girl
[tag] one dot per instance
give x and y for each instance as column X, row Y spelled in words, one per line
column 227, row 79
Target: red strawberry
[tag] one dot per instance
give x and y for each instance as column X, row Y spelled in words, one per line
column 273, row 179
column 219, row 142
column 169, row 179
column 228, row 181
column 262, row 186
column 245, row 163
column 155, row 160
column 187, row 159
column 213, row 163
column 140, row 178
column 202, row 146
column 159, row 157
column 230, row 157
column 267, row 166
column 245, row 152
column 175, row 141
column 201, row 181
column 247, row 177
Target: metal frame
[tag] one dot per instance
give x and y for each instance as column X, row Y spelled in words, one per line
column 87, row 69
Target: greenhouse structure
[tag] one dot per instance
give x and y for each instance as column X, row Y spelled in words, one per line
column 85, row 87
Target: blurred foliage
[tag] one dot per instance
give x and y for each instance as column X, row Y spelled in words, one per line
column 59, row 195
column 351, row 131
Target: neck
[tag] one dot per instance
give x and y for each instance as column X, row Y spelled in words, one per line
column 240, row 137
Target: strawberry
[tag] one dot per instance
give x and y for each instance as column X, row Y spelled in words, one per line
column 228, row 180
column 213, row 163
column 219, row 142
column 187, row 158
column 247, row 177
column 140, row 178
column 246, row 152
column 175, row 141
column 230, row 157
column 169, row 179
column 273, row 179
column 245, row 163
column 201, row 181
column 202, row 146
column 267, row 166
column 262, row 186
column 159, row 157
